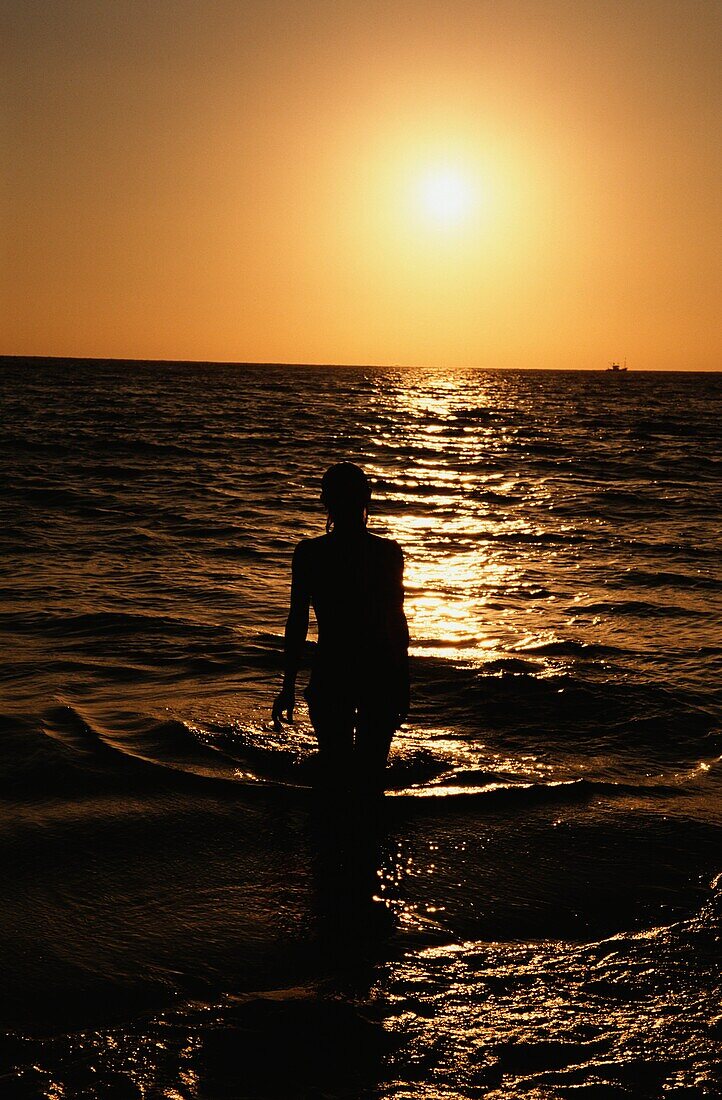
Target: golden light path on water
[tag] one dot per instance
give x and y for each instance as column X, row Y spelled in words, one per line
column 438, row 513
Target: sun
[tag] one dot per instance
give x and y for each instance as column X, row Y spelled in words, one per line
column 444, row 195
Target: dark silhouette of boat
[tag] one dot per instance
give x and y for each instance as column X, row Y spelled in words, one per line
column 616, row 368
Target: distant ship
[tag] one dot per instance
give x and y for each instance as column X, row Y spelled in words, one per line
column 616, row 367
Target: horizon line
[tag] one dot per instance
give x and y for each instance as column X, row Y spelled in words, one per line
column 345, row 366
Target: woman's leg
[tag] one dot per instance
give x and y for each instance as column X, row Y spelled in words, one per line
column 374, row 733
column 334, row 728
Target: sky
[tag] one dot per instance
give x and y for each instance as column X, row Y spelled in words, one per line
column 452, row 183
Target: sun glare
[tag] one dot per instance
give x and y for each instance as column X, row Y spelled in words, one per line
column 444, row 196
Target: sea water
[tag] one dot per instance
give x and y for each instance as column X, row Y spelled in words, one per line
column 533, row 911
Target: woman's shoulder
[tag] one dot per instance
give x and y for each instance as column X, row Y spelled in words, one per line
column 389, row 548
column 307, row 549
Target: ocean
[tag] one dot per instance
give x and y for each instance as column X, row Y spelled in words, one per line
column 534, row 909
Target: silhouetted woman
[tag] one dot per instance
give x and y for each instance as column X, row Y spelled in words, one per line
column 358, row 694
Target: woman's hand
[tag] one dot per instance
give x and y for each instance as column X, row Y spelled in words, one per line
column 283, row 706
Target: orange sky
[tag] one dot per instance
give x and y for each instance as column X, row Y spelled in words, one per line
column 197, row 179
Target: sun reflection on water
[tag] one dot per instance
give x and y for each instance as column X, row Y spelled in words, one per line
column 447, row 510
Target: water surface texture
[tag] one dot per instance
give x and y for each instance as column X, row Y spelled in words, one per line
column 535, row 911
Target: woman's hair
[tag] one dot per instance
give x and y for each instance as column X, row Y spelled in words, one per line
column 345, row 492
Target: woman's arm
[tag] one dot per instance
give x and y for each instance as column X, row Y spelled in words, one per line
column 401, row 637
column 295, row 636
column 399, row 627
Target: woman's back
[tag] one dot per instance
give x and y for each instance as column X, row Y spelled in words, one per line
column 354, row 582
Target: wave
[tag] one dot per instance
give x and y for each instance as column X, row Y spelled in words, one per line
column 538, row 710
column 102, row 624
column 135, row 751
column 496, row 795
column 60, row 497
column 533, row 537
column 645, row 578
column 139, row 740
column 568, row 648
column 667, row 426
column 639, row 608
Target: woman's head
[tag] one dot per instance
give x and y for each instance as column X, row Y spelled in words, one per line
column 345, row 494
